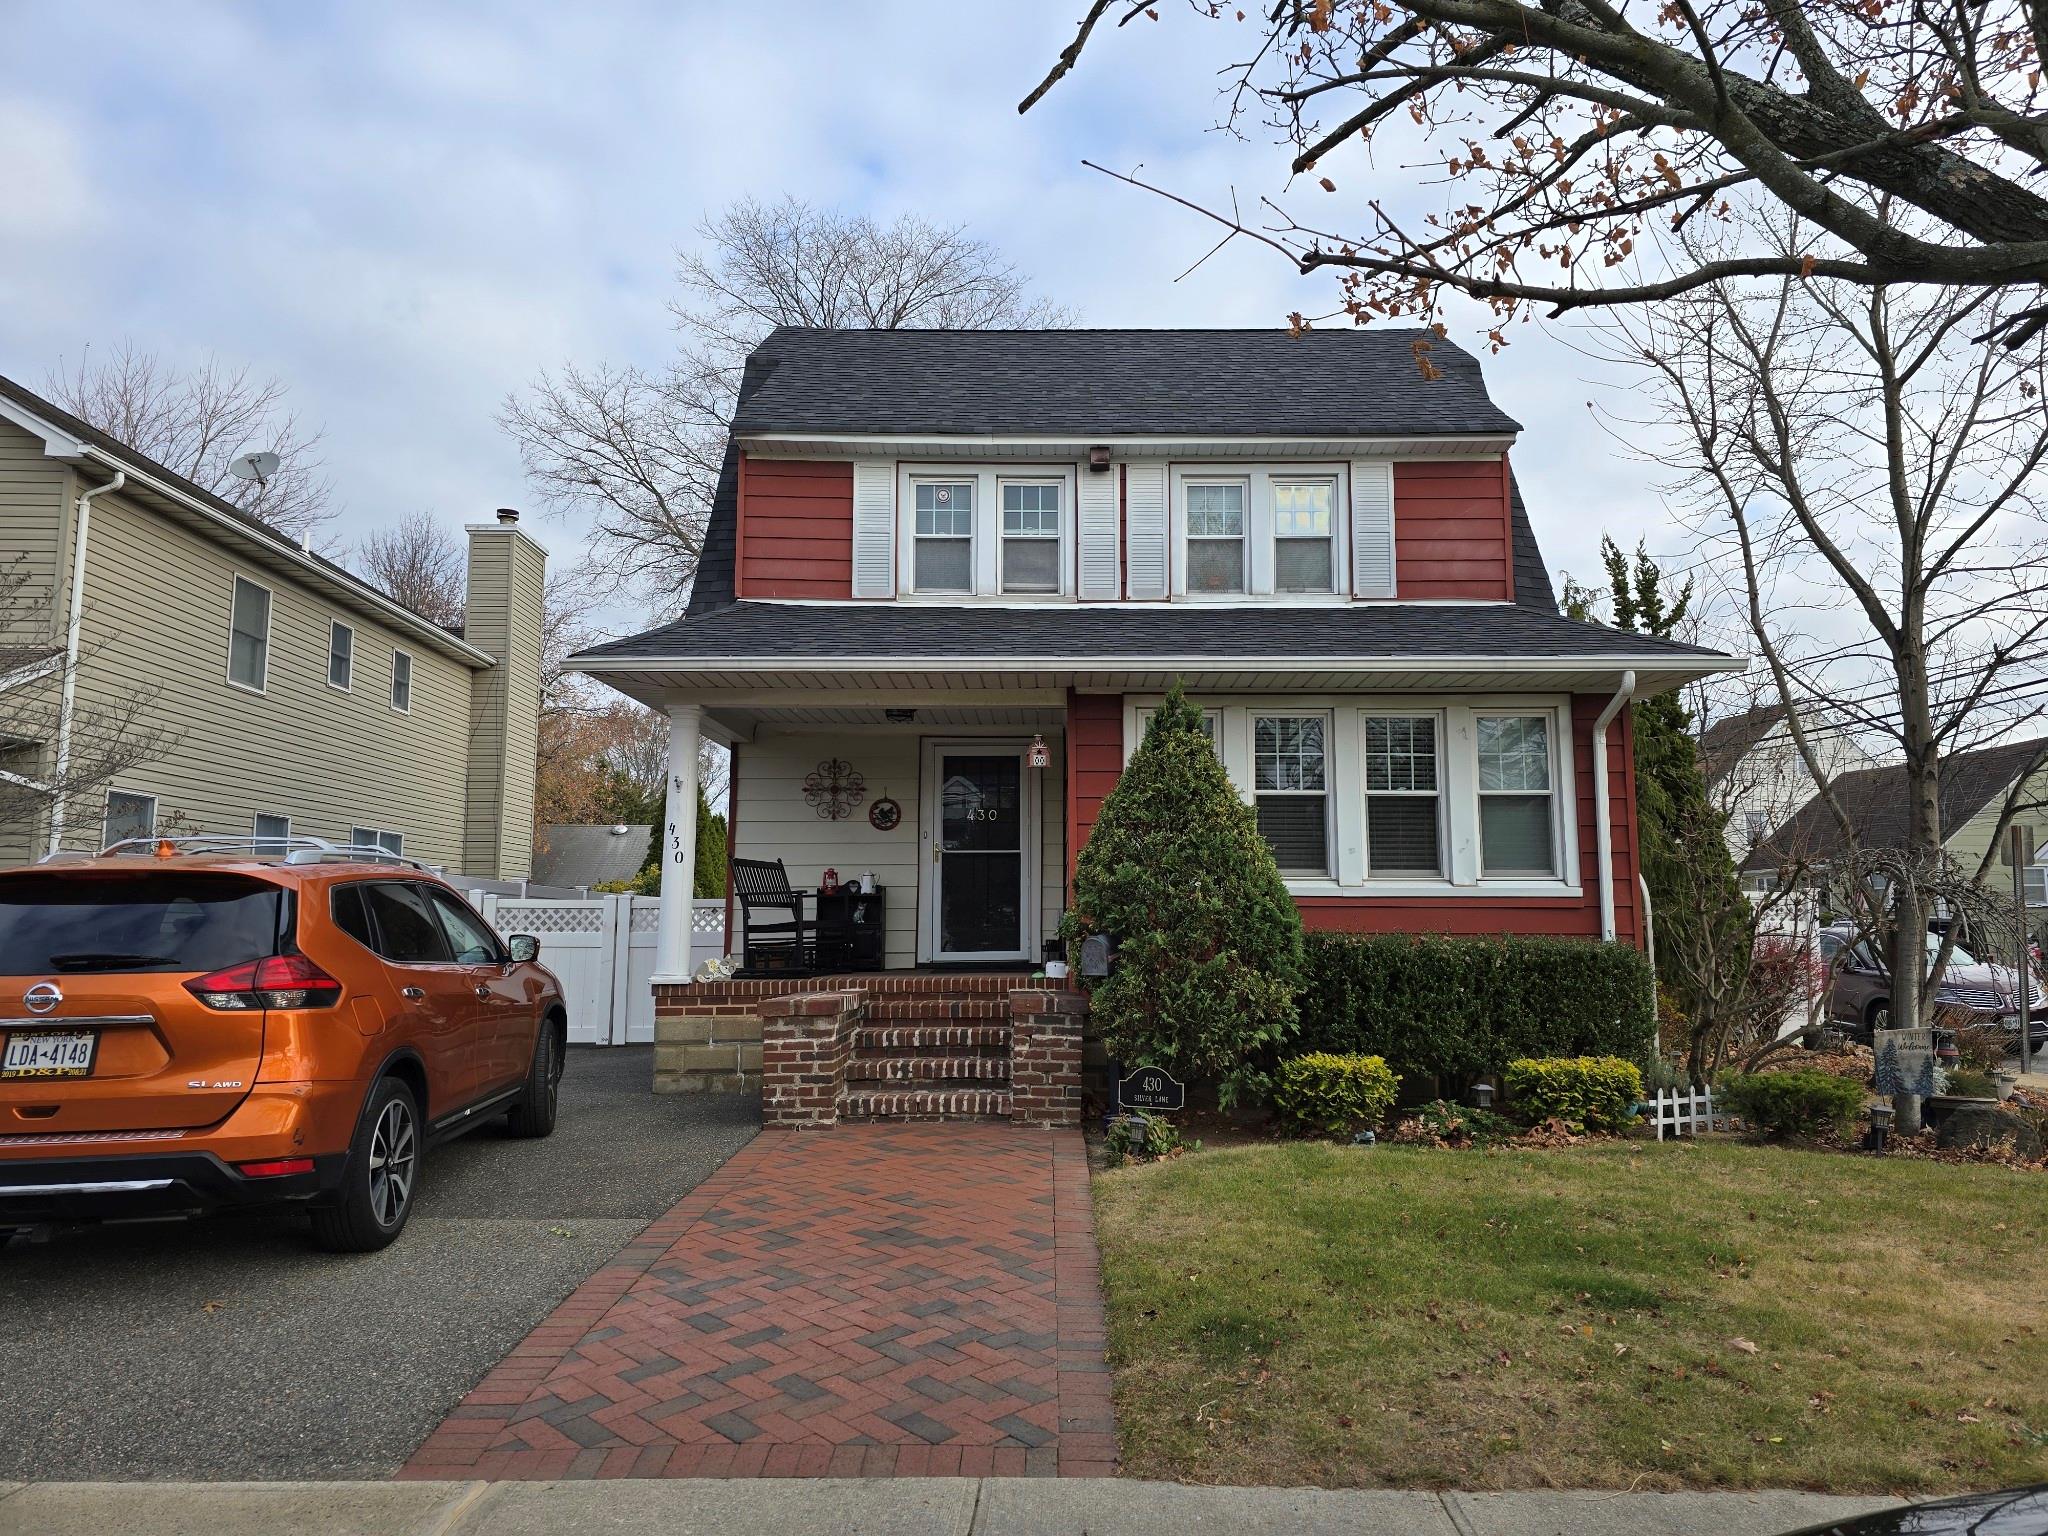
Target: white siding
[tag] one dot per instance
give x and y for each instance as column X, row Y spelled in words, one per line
column 1145, row 517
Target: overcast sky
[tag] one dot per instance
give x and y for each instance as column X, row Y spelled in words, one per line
column 404, row 210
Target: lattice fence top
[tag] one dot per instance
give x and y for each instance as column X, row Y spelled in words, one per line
column 702, row 919
column 538, row 918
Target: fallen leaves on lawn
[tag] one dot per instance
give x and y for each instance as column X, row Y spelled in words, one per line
column 1744, row 1345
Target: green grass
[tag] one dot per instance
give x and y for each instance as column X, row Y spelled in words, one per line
column 1393, row 1316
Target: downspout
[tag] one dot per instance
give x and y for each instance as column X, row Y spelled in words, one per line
column 1650, row 945
column 72, row 621
column 1603, row 813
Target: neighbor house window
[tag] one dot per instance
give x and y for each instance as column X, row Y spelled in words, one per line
column 944, row 556
column 1517, row 819
column 1215, row 535
column 271, row 833
column 1031, row 536
column 1303, row 554
column 1290, row 781
column 2037, row 884
column 1402, row 796
column 401, row 681
column 1757, row 824
column 373, row 837
column 128, row 815
column 249, row 635
column 341, row 656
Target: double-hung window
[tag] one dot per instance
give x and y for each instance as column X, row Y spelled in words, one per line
column 1517, row 796
column 376, row 837
column 1290, row 782
column 1215, row 521
column 1304, row 530
column 2036, row 884
column 944, row 557
column 271, row 833
column 341, row 656
column 128, row 815
column 249, row 635
column 1031, row 535
column 401, row 682
column 1403, row 797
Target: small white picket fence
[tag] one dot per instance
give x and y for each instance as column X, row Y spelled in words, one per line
column 1685, row 1112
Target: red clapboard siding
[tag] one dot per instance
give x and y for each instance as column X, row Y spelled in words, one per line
column 1451, row 529
column 795, row 528
column 1095, row 761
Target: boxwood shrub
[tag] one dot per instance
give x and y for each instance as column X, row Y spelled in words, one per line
column 1588, row 1093
column 1460, row 1008
column 1792, row 1103
column 1327, row 1095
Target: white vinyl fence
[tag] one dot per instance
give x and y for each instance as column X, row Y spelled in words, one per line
column 1684, row 1111
column 601, row 949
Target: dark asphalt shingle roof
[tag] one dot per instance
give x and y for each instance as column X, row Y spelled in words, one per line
column 1876, row 801
column 1727, row 742
column 1342, row 382
column 842, row 631
column 569, row 853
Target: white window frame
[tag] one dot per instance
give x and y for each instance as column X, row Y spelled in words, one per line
column 107, row 812
column 1190, row 483
column 2035, row 884
column 235, row 584
column 1328, row 793
column 1259, row 537
column 1556, row 792
column 410, row 672
column 1440, row 795
column 258, row 837
column 1057, row 537
column 1458, row 770
column 985, row 545
column 1142, row 722
column 1339, row 584
column 335, row 629
column 378, row 837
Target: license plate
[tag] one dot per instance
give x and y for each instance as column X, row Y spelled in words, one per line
column 49, row 1053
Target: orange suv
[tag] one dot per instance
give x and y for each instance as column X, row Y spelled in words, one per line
column 185, row 1028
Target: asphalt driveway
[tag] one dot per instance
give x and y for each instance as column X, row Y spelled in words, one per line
column 229, row 1348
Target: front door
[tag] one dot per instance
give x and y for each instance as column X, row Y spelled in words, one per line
column 980, row 815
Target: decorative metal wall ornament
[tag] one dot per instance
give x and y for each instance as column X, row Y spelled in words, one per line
column 885, row 815
column 834, row 789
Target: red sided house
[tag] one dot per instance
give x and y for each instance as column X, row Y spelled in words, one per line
column 947, row 576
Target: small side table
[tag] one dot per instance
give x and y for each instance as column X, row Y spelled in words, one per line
column 850, row 932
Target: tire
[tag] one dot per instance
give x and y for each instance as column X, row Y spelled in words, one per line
column 1877, row 1016
column 382, row 1177
column 533, row 1112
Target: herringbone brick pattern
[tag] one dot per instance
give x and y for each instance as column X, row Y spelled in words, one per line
column 915, row 1300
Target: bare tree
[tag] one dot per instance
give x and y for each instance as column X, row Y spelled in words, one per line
column 1568, row 130
column 1876, row 478
column 420, row 563
column 638, row 451
column 109, row 733
column 195, row 424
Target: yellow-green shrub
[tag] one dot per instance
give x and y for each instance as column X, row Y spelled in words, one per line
column 1588, row 1093
column 1329, row 1095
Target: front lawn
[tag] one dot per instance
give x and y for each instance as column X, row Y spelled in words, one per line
column 1615, row 1315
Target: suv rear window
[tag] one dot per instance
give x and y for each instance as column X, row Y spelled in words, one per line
column 161, row 921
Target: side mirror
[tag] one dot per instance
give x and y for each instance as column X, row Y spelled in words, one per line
column 523, row 947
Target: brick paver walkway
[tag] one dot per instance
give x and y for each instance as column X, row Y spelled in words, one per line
column 869, row 1300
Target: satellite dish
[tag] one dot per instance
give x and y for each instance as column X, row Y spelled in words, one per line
column 254, row 466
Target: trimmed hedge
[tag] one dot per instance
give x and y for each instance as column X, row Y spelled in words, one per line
column 1793, row 1103
column 1325, row 1095
column 1461, row 1008
column 1588, row 1093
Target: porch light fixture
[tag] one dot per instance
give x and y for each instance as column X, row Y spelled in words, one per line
column 1041, row 755
column 1098, row 459
column 899, row 716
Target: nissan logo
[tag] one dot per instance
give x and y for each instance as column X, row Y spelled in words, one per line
column 42, row 997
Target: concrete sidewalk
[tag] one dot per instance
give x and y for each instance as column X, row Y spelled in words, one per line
column 902, row 1507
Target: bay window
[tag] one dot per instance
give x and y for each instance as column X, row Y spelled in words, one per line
column 1215, row 524
column 1403, row 794
column 1517, row 814
column 1303, row 535
column 944, row 558
column 1290, row 778
column 1031, row 536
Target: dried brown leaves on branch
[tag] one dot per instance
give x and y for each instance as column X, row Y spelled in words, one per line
column 1570, row 136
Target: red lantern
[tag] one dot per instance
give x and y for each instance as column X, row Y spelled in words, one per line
column 829, row 881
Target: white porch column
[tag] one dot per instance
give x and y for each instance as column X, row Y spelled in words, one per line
column 679, row 867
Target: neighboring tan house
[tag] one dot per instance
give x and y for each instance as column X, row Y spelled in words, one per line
column 949, row 574
column 1755, row 772
column 571, row 854
column 295, row 698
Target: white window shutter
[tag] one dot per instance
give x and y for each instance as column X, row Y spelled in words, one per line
column 1097, row 522
column 874, row 528
column 1145, row 527
column 1372, row 527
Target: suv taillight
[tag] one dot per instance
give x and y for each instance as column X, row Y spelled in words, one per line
column 275, row 981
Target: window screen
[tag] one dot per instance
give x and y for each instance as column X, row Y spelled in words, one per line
column 1031, row 537
column 943, row 559
column 1302, row 550
column 1216, row 536
column 249, row 636
column 1516, row 820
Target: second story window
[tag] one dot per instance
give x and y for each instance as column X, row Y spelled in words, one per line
column 401, row 682
column 249, row 636
column 944, row 559
column 1303, row 534
column 341, row 656
column 1215, row 519
column 1031, row 536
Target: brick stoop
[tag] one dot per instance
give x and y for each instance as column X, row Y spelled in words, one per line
column 925, row 1104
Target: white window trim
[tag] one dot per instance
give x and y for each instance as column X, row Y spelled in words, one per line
column 1458, row 766
column 986, row 541
column 107, row 811
column 1441, row 795
column 411, row 677
column 257, row 835
column 1340, row 584
column 236, row 580
column 375, row 839
column 2035, row 884
column 1328, row 792
column 1062, row 549
column 1558, row 783
column 1258, row 529
column 335, row 627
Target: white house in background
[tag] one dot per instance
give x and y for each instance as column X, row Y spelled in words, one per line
column 1755, row 773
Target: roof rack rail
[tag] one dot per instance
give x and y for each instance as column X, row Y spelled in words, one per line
column 293, row 849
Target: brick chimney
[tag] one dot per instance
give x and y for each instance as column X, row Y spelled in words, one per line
column 507, row 572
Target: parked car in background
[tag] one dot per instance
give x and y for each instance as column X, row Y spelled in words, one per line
column 1860, row 994
column 186, row 1025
